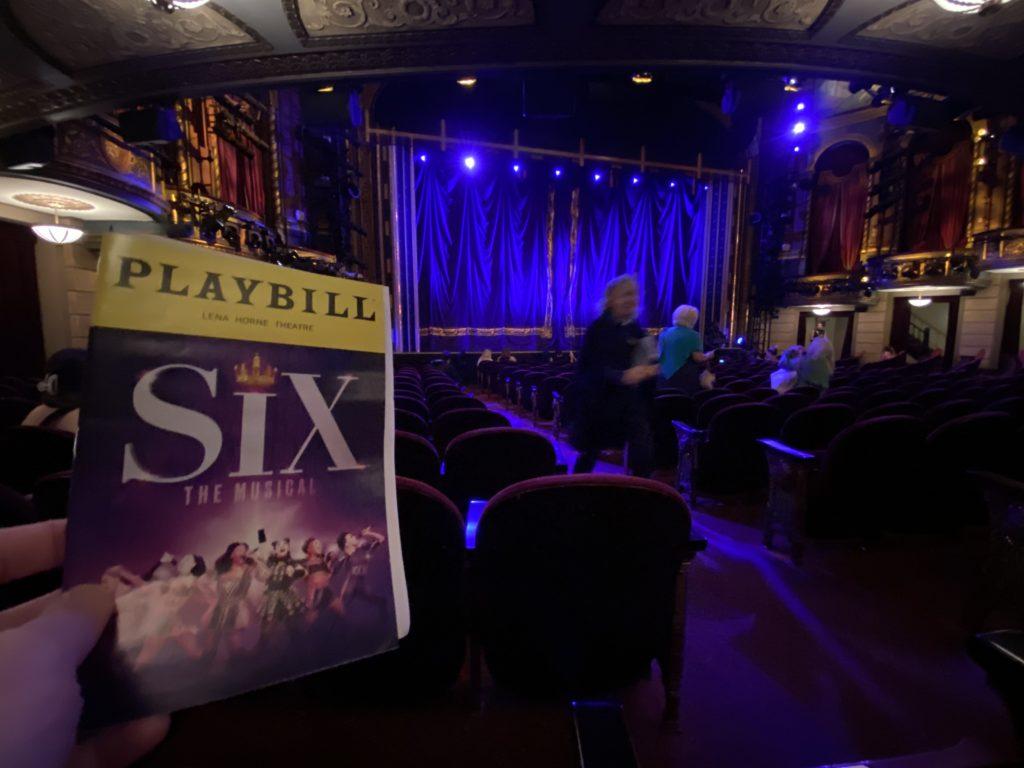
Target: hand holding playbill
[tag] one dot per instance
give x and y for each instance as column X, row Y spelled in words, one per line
column 41, row 644
column 233, row 483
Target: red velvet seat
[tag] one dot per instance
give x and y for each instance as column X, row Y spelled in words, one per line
column 760, row 394
column 789, row 403
column 804, row 389
column 416, row 458
column 410, row 422
column 882, row 397
column 669, row 408
column 904, row 408
column 412, row 405
column 812, row 429
column 479, row 463
column 581, row 584
column 1012, row 406
column 707, row 411
column 931, row 396
column 31, row 453
column 459, row 402
column 731, row 460
column 939, row 414
column 450, row 425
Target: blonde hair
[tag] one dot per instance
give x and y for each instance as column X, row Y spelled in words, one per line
column 685, row 316
column 617, row 284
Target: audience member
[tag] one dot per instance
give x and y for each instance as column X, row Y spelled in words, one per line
column 888, row 353
column 786, row 376
column 506, row 356
column 62, row 389
column 682, row 357
column 818, row 362
column 485, row 357
column 615, row 393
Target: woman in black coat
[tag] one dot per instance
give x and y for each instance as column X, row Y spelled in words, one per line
column 615, row 383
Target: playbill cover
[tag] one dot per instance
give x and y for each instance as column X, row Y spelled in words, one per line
column 234, row 477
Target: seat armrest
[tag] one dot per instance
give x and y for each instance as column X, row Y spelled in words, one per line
column 786, row 450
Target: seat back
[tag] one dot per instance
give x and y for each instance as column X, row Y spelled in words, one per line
column 31, row 453
column 947, row 411
column 903, row 408
column 576, row 578
column 760, row 394
column 707, row 411
column 410, row 422
column 1012, row 406
column 50, row 496
column 416, row 458
column 813, row 428
column 669, row 408
column 732, row 460
column 450, row 425
column 412, row 405
column 480, row 463
column 807, row 390
column 789, row 403
column 861, row 500
column 456, row 403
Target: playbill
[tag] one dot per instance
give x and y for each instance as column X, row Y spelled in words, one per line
column 234, row 477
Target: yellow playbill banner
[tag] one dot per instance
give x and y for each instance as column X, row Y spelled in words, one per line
column 150, row 283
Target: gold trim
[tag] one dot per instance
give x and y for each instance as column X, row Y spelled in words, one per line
column 549, row 306
column 544, row 333
column 574, row 231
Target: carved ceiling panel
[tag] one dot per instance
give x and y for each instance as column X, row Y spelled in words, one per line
column 96, row 32
column 333, row 18
column 789, row 15
column 999, row 35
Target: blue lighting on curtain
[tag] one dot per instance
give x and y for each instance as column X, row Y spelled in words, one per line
column 518, row 259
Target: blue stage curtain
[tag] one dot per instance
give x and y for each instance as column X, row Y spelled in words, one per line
column 521, row 260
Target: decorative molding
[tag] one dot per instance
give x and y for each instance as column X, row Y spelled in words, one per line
column 96, row 33
column 785, row 15
column 325, row 22
column 922, row 23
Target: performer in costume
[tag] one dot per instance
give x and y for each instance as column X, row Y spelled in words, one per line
column 232, row 613
column 351, row 564
column 280, row 601
column 318, row 574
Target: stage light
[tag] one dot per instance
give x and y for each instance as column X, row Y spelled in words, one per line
column 558, row 172
column 597, row 177
column 919, row 302
column 636, row 179
column 740, row 340
column 982, row 133
column 470, row 162
column 325, row 89
column 822, row 311
column 796, row 148
column 515, row 167
column 672, row 184
column 799, row 127
column 423, row 157
column 643, row 78
column 800, row 106
column 30, row 166
column 981, row 161
column 466, row 82
column 865, row 279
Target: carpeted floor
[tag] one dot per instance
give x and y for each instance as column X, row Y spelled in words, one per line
column 856, row 655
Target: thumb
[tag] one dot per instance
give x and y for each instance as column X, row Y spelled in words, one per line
column 70, row 626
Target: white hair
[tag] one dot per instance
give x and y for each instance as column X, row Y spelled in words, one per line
column 685, row 316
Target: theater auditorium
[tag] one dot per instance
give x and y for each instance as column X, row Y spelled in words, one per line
column 706, row 383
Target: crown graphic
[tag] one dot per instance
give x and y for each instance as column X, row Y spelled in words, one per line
column 255, row 376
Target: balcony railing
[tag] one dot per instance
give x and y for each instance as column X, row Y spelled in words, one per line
column 999, row 247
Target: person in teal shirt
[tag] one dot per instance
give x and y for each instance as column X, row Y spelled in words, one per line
column 681, row 351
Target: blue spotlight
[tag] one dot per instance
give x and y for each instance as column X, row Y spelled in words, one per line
column 597, row 177
column 423, row 157
column 739, row 341
column 470, row 162
column 799, row 127
column 672, row 184
column 796, row 148
column 515, row 167
column 636, row 180
column 800, row 106
column 558, row 172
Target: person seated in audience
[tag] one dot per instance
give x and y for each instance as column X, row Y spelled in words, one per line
column 485, row 357
column 62, row 389
column 786, row 376
column 616, row 390
column 506, row 356
column 818, row 361
column 888, row 353
column 680, row 348
column 771, row 354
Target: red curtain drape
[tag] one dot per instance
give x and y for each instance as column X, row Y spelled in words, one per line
column 228, row 156
column 253, row 196
column 939, row 195
column 837, row 221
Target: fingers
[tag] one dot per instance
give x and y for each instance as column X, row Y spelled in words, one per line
column 120, row 745
column 69, row 627
column 20, row 614
column 28, row 549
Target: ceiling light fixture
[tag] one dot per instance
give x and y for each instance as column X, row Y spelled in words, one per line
column 57, row 233
column 325, row 89
column 170, row 6
column 970, row 6
column 920, row 301
column 466, row 82
column 642, row 78
column 822, row 311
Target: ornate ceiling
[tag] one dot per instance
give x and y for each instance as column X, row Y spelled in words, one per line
column 65, row 58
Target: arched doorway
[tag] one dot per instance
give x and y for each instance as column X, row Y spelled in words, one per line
column 938, row 190
column 838, row 198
